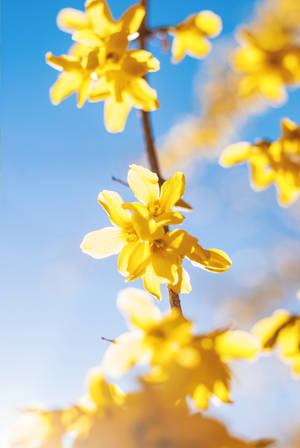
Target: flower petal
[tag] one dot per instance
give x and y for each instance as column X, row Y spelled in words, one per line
column 142, row 95
column 125, row 353
column 66, row 84
column 103, row 243
column 171, row 191
column 88, row 38
column 237, row 344
column 152, row 282
column 133, row 259
column 236, row 153
column 100, row 17
column 70, row 20
column 132, row 18
column 144, row 184
column 138, row 308
column 213, row 260
column 115, row 114
column 112, row 204
column 209, row 23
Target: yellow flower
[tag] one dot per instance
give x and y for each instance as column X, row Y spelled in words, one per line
column 123, row 87
column 268, row 60
column 147, row 248
column 277, row 162
column 189, row 364
column 190, row 37
column 282, row 329
column 99, row 66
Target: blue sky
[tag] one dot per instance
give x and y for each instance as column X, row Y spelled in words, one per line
column 57, row 302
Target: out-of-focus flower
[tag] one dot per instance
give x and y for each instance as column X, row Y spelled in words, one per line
column 281, row 330
column 277, row 162
column 190, row 36
column 223, row 108
column 268, row 61
column 188, row 364
column 147, row 248
column 145, row 418
column 99, row 66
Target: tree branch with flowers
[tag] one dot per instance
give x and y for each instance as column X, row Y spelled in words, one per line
column 185, row 369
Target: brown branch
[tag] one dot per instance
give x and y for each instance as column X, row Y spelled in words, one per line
column 149, row 143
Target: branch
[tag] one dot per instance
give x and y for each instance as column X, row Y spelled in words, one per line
column 149, row 143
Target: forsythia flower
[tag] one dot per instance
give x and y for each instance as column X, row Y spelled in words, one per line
column 145, row 418
column 99, row 66
column 281, row 330
column 147, row 249
column 187, row 364
column 277, row 162
column 268, row 60
column 190, row 37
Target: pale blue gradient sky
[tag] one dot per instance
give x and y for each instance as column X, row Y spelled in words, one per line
column 56, row 301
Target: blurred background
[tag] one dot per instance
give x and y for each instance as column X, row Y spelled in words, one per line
column 57, row 303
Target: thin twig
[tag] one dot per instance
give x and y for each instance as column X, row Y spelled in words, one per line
column 108, row 340
column 149, row 143
column 120, row 181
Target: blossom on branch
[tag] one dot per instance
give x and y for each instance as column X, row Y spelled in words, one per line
column 100, row 67
column 277, row 161
column 281, row 330
column 148, row 249
column 186, row 364
column 190, row 36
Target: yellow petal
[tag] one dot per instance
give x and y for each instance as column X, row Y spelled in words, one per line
column 237, row 344
column 88, row 38
column 267, row 329
column 102, row 393
column 66, row 84
column 209, row 23
column 236, row 153
column 171, row 191
column 213, row 260
column 70, row 20
column 144, row 184
column 183, row 286
column 112, row 204
column 152, row 282
column 125, row 353
column 178, row 49
column 142, row 95
column 133, row 259
column 298, row 294
column 83, row 91
column 201, row 396
column 103, row 243
column 132, row 18
column 100, row 17
column 62, row 63
column 101, row 90
column 138, row 308
column 222, row 391
column 115, row 114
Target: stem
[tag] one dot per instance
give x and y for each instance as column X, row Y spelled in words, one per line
column 149, row 143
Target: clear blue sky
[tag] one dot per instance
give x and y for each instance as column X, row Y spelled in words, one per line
column 56, row 302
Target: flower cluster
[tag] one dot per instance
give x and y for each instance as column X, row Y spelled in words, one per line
column 269, row 55
column 277, row 161
column 187, row 364
column 148, row 249
column 100, row 66
column 110, row 419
